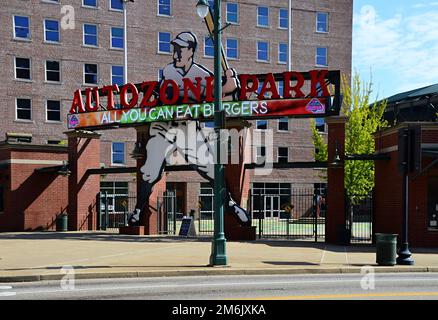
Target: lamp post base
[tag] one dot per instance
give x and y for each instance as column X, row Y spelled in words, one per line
column 404, row 256
column 218, row 255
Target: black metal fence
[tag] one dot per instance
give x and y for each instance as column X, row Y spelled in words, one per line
column 359, row 212
column 299, row 214
column 114, row 210
column 167, row 214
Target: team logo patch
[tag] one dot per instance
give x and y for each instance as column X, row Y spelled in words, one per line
column 315, row 106
column 73, row 122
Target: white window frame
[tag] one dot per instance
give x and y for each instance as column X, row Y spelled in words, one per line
column 111, row 72
column 226, row 49
column 267, row 125
column 158, row 43
column 47, row 112
column 326, row 22
column 259, row 25
column 44, row 29
column 124, row 153
column 45, row 71
column 111, row 38
column 113, row 9
column 97, row 35
column 278, row 124
column 326, row 57
column 257, row 52
column 278, row 154
column 282, row 62
column 279, row 18
column 226, row 13
column 88, row 6
column 16, row 110
column 13, row 28
column 97, row 74
column 164, row 15
column 15, row 69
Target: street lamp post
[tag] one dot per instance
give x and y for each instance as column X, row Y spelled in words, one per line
column 218, row 255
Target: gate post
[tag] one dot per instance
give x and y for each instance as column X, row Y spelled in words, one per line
column 83, row 154
column 336, row 224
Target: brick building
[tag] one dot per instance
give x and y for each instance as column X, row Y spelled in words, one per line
column 46, row 57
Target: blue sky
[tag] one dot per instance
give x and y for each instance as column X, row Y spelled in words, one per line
column 396, row 41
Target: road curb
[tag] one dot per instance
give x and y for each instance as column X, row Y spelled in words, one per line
column 212, row 272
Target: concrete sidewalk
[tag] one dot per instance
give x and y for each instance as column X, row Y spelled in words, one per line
column 41, row 256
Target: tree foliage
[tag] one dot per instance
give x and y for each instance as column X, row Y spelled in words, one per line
column 364, row 119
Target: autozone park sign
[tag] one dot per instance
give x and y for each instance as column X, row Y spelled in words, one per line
column 305, row 94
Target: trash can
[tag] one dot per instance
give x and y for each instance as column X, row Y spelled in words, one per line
column 61, row 223
column 386, row 249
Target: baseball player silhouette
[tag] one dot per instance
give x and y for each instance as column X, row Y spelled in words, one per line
column 167, row 138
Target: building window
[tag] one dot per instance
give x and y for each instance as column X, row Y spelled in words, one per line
column 118, row 153
column 90, row 35
column 281, row 88
column 262, row 51
column 21, row 27
column 232, row 49
column 322, row 22
column 432, row 200
column 90, row 73
column 262, row 16
column 2, row 199
column 206, row 196
column 232, row 13
column 53, row 108
column 282, row 53
column 164, row 42
column 321, row 57
column 283, row 19
column 164, row 7
column 116, row 38
column 261, row 155
column 51, row 30
column 53, row 72
column 283, row 124
column 160, row 74
column 116, row 5
column 261, row 124
column 117, row 75
column 24, row 109
column 22, row 68
column 89, row 3
column 283, row 155
column 208, row 47
column 211, row 5
column 320, row 124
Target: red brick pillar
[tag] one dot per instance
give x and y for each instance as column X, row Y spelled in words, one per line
column 83, row 154
column 149, row 216
column 336, row 221
column 237, row 180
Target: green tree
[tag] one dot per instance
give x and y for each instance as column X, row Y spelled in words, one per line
column 364, row 119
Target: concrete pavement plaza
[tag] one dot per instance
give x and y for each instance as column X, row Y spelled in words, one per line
column 40, row 256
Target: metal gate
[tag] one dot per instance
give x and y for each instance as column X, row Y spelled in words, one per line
column 114, row 209
column 359, row 212
column 301, row 214
column 167, row 216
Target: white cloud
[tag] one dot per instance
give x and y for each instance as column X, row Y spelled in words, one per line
column 405, row 46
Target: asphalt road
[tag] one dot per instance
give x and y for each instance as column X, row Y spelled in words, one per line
column 422, row 286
